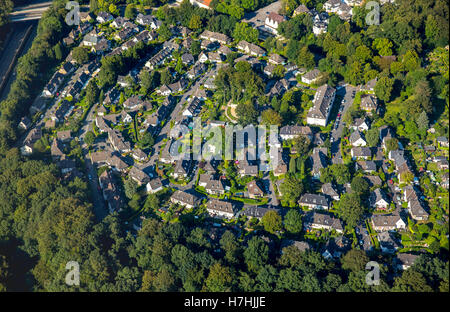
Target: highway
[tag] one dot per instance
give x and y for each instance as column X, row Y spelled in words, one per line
column 30, row 12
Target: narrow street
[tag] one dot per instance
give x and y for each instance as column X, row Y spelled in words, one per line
column 336, row 133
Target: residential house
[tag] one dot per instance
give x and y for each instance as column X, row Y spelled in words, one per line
column 366, row 165
column 379, row 200
column 388, row 243
column 256, row 212
column 319, row 161
column 111, row 193
column 184, row 199
column 314, row 201
column 64, row 136
column 357, row 139
column 276, row 59
column 139, row 176
column 215, row 37
column 215, row 187
column 369, row 103
column 291, row 132
column 250, row 48
column 382, row 223
column 25, row 123
column 301, row 9
column 322, row 104
column 104, row 17
column 405, row 260
column 254, row 191
column 315, row 220
column 154, row 186
column 32, row 137
column 118, row 142
column 311, row 77
column 204, row 178
column 360, row 124
column 273, row 20
column 361, row 152
column 329, row 190
column 219, row 208
column 182, row 169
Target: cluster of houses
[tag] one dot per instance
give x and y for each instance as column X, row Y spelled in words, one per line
column 121, row 158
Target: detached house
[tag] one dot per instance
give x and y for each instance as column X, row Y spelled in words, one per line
column 104, row 17
column 329, row 190
column 250, row 48
column 215, row 187
column 361, row 152
column 219, row 208
column 313, row 201
column 382, row 223
column 254, row 191
column 369, row 103
column 319, row 161
column 315, row 220
column 311, row 77
column 139, row 176
column 379, row 200
column 291, row 132
column 184, row 199
column 256, row 212
column 405, row 260
column 118, row 142
column 357, row 139
column 154, row 186
column 273, row 20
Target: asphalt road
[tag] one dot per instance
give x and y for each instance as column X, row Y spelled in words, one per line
column 30, row 12
column 100, row 209
column 347, row 101
column 7, row 56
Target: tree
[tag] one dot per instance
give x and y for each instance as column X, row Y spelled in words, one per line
column 392, row 144
column 293, row 221
column 354, row 260
column 130, row 12
column 195, row 22
column 243, row 31
column 247, row 113
column 231, row 247
column 422, row 121
column 92, row 92
column 291, row 189
column 272, row 221
column 256, row 254
column 271, row 117
column 360, row 185
column 6, row 7
column 219, row 279
column 372, row 137
column 80, row 55
column 292, row 165
column 89, row 138
column 350, row 209
column 301, row 145
column 130, row 187
column 411, row 281
column 383, row 88
column 383, row 46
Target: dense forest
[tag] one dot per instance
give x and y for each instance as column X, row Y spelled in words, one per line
column 46, row 221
